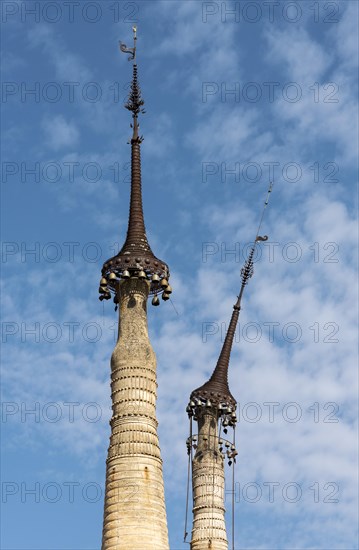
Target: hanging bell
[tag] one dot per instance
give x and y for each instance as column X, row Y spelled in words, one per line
column 112, row 276
column 103, row 282
column 208, row 404
column 125, row 274
column 155, row 278
column 168, row 289
column 142, row 274
column 107, row 296
column 101, row 297
column 165, row 296
column 102, row 290
column 155, row 301
column 192, row 404
column 164, row 283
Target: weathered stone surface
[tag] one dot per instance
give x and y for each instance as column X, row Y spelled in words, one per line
column 135, row 515
column 209, row 527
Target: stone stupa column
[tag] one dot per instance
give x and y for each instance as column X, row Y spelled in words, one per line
column 213, row 408
column 134, row 510
column 135, row 515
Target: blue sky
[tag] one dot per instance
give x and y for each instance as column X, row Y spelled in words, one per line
column 233, row 100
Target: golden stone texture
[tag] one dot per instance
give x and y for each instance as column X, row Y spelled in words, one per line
column 135, row 514
column 209, row 527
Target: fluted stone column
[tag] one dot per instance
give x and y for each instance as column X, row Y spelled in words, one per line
column 135, row 515
column 209, row 528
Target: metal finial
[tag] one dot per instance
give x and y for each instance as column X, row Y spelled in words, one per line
column 247, row 270
column 131, row 51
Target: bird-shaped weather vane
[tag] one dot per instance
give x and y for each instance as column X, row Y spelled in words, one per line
column 131, row 51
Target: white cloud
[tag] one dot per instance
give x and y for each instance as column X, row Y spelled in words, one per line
column 59, row 133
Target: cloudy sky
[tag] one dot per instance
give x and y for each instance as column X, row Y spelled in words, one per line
column 237, row 95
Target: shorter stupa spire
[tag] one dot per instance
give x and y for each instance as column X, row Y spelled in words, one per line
column 213, row 408
column 217, row 388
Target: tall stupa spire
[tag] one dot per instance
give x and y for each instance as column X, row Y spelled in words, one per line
column 213, row 407
column 134, row 510
column 135, row 257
